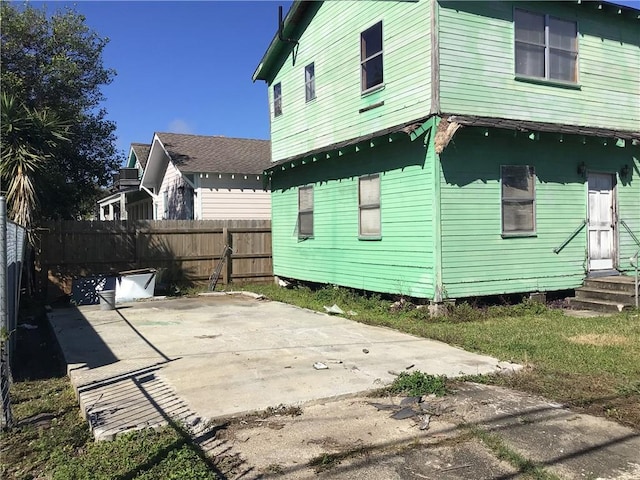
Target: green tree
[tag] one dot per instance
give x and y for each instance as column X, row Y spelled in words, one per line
column 28, row 138
column 53, row 63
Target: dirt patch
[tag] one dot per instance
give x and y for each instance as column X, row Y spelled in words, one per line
column 599, row 340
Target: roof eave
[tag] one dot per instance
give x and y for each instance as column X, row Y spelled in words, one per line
column 299, row 7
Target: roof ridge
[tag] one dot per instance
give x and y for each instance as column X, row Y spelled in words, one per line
column 213, row 136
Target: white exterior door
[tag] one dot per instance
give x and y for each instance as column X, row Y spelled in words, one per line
column 601, row 221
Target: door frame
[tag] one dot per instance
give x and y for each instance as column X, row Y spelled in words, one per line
column 614, row 217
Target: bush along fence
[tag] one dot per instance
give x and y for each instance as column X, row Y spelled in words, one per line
column 185, row 252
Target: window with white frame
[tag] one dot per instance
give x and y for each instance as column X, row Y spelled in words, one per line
column 309, row 82
column 305, row 211
column 546, row 47
column 277, row 99
column 371, row 66
column 518, row 199
column 369, row 206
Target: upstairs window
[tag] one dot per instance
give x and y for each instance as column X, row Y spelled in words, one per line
column 369, row 206
column 371, row 57
column 518, row 199
column 305, row 211
column 546, row 47
column 309, row 82
column 277, row 99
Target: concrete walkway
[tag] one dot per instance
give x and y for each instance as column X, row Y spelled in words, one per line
column 209, row 357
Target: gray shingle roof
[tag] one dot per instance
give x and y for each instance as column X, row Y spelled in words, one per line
column 142, row 152
column 215, row 154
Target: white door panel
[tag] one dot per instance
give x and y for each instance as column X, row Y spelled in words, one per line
column 600, row 221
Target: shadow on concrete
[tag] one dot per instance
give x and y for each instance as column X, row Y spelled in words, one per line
column 350, row 460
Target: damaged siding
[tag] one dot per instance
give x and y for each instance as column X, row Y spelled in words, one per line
column 628, row 191
column 476, row 259
column 477, row 66
column 401, row 261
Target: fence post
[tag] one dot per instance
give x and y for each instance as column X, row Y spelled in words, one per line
column 228, row 241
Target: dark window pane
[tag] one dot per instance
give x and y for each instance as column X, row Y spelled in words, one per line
column 277, row 99
column 529, row 60
column 371, row 41
column 305, row 223
column 372, row 72
column 562, row 65
column 310, row 82
column 563, row 34
column 529, row 27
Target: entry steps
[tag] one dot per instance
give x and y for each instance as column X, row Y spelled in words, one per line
column 605, row 294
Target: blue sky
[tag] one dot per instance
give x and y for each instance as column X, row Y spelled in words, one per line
column 185, row 66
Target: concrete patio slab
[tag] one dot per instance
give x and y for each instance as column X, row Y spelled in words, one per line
column 191, row 359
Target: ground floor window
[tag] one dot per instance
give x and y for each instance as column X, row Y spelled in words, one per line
column 369, row 206
column 305, row 211
column 518, row 199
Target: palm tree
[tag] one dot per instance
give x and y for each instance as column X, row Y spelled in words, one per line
column 28, row 138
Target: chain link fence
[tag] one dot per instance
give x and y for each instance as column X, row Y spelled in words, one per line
column 12, row 248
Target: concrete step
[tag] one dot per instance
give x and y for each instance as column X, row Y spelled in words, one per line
column 598, row 305
column 619, row 283
column 587, row 293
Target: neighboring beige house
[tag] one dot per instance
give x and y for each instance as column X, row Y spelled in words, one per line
column 207, row 177
column 126, row 200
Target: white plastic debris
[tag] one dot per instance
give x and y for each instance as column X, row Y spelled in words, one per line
column 320, row 366
column 334, row 310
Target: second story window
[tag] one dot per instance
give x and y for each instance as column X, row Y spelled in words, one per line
column 546, row 47
column 277, row 99
column 371, row 57
column 309, row 82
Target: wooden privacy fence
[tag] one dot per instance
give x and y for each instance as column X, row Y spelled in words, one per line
column 184, row 251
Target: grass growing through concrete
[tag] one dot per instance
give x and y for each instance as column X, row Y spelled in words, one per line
column 526, row 467
column 589, row 363
column 417, row 383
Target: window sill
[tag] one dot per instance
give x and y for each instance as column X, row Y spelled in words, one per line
column 519, row 235
column 302, row 238
column 370, row 238
column 372, row 90
column 551, row 83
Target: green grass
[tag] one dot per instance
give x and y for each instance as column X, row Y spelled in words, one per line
column 60, row 446
column 590, row 363
column 526, row 467
column 51, row 440
column 417, row 384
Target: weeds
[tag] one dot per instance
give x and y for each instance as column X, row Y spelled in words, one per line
column 503, row 452
column 418, row 383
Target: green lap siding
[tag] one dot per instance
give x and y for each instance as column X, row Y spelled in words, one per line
column 476, row 259
column 477, row 66
column 629, row 213
column 332, row 43
column 402, row 261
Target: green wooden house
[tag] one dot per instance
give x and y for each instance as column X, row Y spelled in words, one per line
column 447, row 149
